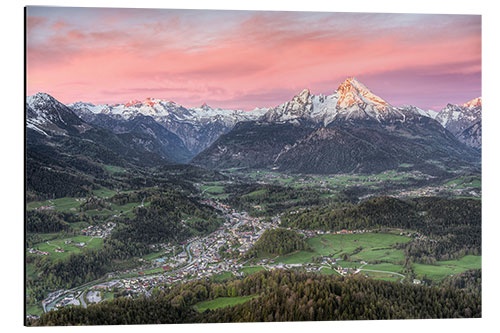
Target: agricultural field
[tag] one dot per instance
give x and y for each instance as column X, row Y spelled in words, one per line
column 153, row 271
column 70, row 247
column 337, row 181
column 465, row 182
column 222, row 302
column 371, row 246
column 113, row 168
column 214, row 190
column 115, row 209
column 217, row 189
column 381, row 276
column 222, row 276
column 257, row 193
column 328, row 271
column 66, row 204
column 388, row 267
column 104, row 193
column 448, row 267
column 383, row 271
column 250, row 270
column 72, row 205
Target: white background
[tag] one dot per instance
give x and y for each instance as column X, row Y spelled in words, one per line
column 12, row 193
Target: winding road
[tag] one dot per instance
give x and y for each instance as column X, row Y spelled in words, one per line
column 82, row 299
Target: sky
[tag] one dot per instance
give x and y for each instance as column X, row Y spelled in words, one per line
column 248, row 59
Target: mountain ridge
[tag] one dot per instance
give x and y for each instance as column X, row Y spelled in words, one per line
column 382, row 136
column 196, row 132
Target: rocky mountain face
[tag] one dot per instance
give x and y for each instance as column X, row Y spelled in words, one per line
column 46, row 115
column 352, row 130
column 464, row 121
column 148, row 133
column 197, row 127
column 54, row 128
column 251, row 145
column 352, row 101
column 471, row 136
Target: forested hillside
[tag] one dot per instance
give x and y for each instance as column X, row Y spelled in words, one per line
column 278, row 242
column 281, row 296
column 452, row 227
column 161, row 221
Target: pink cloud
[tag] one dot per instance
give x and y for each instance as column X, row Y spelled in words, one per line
column 249, row 60
column 34, row 22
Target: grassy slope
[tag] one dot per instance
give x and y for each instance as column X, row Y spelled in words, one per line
column 251, row 270
column 444, row 268
column 52, row 245
column 375, row 247
column 222, row 302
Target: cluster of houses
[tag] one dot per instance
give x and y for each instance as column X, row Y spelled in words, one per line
column 439, row 190
column 201, row 257
column 217, row 205
column 38, row 252
column 416, row 235
column 46, row 208
column 315, row 233
column 99, row 231
column 324, row 182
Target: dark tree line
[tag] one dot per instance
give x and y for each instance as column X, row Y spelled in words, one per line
column 469, row 280
column 162, row 220
column 44, row 222
column 79, row 268
column 278, row 242
column 48, row 183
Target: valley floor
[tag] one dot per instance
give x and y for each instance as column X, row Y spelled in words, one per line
column 372, row 253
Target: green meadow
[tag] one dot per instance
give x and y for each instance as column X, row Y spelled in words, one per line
column 51, row 246
column 448, row 267
column 60, row 205
column 222, row 302
column 214, row 189
column 113, row 168
column 222, row 276
column 371, row 246
column 251, row 270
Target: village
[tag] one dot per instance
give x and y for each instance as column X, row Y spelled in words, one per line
column 99, row 231
column 200, row 257
column 197, row 258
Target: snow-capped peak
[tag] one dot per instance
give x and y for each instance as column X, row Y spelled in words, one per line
column 41, row 100
column 133, row 102
column 457, row 118
column 473, row 103
column 205, row 107
column 351, row 92
column 303, row 95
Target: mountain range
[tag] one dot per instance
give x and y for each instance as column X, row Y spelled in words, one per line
column 197, row 127
column 351, row 130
